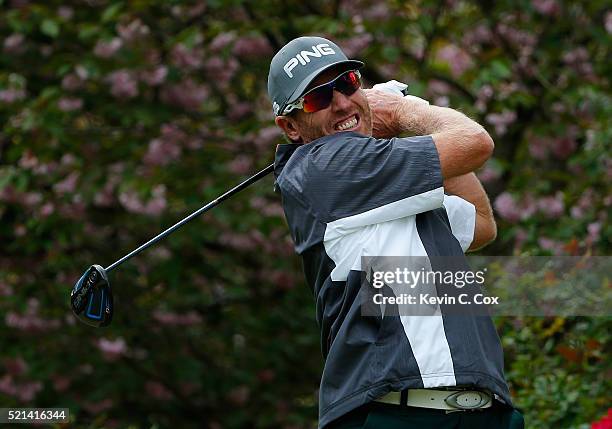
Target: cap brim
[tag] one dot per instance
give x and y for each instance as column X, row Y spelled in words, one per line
column 350, row 64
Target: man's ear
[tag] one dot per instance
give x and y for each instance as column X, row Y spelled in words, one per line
column 288, row 125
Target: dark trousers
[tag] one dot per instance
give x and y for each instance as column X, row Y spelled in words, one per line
column 384, row 416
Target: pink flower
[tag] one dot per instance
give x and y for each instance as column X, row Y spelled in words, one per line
column 27, row 391
column 167, row 147
column 539, row 147
column 187, row 94
column 457, row 59
column 67, row 185
column 11, row 95
column 240, row 165
column 155, row 206
column 20, row 231
column 378, row 11
column 221, row 70
column 123, row 84
column 69, row 104
column 46, row 210
column 112, row 349
column 15, row 366
column 594, row 232
column 489, row 174
column 98, row 407
column 564, row 147
column 507, row 208
column 162, row 152
column 577, row 55
column 252, row 47
column 106, row 49
column 221, row 41
column 158, row 391
column 173, row 319
column 61, row 383
column 437, row 87
column 237, row 241
column 546, row 7
column 240, row 395
column 477, row 35
column 154, row 77
column 552, row 207
column 133, row 31
column 549, row 244
column 31, row 199
column 501, row 120
column 28, row 160
column 608, row 22
column 355, row 45
column 65, row 12
column 24, row 391
column 186, row 58
column 520, row 38
column 5, row 289
column 239, row 110
column 267, row 136
column 30, row 321
column 267, row 208
column 72, row 82
column 14, row 44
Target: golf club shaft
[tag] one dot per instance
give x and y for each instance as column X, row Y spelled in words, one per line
column 198, row 212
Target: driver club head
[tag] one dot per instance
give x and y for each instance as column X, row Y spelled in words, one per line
column 91, row 298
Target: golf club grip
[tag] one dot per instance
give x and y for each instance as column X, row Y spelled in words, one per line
column 198, row 212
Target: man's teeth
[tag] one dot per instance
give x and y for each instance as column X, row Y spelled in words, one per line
column 348, row 124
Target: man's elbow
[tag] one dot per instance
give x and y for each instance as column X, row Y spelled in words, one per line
column 485, row 234
column 491, row 233
column 485, row 146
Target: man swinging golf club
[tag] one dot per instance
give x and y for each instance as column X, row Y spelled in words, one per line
column 350, row 188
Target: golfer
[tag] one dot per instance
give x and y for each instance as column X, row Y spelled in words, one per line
column 351, row 187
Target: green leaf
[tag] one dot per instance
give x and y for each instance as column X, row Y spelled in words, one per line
column 390, row 53
column 500, row 69
column 111, row 12
column 88, row 31
column 49, row 27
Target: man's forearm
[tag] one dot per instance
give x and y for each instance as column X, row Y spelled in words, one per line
column 470, row 189
column 418, row 118
column 463, row 144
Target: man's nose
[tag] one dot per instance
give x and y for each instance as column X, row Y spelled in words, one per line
column 340, row 101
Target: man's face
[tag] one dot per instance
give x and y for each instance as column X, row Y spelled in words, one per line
column 345, row 113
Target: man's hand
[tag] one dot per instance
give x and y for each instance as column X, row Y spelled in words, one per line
column 385, row 109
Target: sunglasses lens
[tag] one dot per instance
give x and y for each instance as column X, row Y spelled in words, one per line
column 348, row 83
column 318, row 99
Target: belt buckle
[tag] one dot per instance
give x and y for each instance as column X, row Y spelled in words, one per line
column 454, row 400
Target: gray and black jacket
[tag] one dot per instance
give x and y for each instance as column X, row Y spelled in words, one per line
column 346, row 196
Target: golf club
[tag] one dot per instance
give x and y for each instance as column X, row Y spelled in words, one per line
column 91, row 298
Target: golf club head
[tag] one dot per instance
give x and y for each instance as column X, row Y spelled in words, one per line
column 91, row 298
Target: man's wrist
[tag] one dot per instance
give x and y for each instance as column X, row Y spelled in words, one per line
column 413, row 116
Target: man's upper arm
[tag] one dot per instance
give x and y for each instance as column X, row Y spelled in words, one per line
column 363, row 180
column 462, row 152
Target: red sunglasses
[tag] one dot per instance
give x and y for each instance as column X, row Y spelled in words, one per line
column 320, row 97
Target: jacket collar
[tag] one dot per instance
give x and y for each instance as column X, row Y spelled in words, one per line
column 283, row 153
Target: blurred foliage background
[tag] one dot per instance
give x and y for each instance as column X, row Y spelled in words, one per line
column 120, row 117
